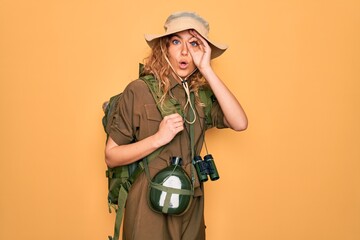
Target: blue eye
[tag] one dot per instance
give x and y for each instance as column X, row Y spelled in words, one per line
column 175, row 42
column 194, row 44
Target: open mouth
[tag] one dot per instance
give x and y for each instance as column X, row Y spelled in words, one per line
column 183, row 65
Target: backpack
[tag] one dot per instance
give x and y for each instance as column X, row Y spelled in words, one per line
column 120, row 179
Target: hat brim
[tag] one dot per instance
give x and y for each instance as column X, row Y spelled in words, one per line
column 216, row 48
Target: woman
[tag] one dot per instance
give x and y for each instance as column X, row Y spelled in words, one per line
column 180, row 61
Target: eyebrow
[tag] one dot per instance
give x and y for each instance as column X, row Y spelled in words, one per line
column 175, row 35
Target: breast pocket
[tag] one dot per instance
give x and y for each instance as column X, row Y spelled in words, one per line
column 153, row 118
column 202, row 117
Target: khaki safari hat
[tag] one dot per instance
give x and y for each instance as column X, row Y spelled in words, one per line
column 180, row 21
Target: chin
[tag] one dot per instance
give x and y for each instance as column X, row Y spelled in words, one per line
column 183, row 73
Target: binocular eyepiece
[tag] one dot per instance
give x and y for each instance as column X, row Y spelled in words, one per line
column 206, row 167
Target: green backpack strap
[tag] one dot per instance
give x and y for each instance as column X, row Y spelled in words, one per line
column 170, row 105
column 124, row 191
column 123, row 194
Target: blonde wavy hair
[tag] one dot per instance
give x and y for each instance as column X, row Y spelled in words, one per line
column 155, row 64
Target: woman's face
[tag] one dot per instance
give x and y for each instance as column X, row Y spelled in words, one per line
column 179, row 55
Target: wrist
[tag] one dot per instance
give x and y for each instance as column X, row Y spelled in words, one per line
column 156, row 141
column 205, row 69
column 207, row 72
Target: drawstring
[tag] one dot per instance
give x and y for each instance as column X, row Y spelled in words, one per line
column 185, row 85
column 188, row 102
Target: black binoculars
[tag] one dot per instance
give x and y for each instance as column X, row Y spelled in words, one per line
column 206, row 167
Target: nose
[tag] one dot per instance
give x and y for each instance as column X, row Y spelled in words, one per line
column 184, row 50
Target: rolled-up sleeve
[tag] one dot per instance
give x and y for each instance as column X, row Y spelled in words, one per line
column 125, row 119
column 217, row 115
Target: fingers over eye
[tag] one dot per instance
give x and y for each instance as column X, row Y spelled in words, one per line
column 194, row 42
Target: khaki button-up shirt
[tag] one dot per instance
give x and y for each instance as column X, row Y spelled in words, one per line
column 138, row 117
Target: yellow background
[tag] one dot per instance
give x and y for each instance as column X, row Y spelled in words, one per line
column 294, row 65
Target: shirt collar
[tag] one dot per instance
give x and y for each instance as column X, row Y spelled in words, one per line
column 173, row 82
